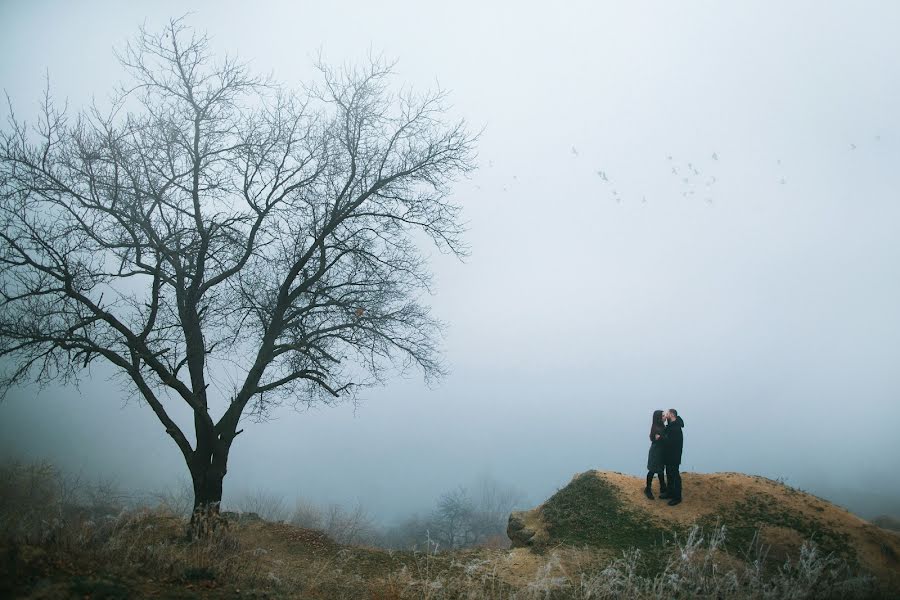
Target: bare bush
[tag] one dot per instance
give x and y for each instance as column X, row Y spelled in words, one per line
column 177, row 499
column 307, row 515
column 30, row 500
column 698, row 569
column 350, row 527
column 268, row 506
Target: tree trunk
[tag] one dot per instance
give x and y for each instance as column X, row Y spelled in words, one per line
column 208, row 471
column 205, row 517
column 208, row 490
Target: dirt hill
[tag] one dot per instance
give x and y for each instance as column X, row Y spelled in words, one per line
column 597, row 537
column 608, row 511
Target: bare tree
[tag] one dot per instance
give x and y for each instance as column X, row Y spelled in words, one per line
column 494, row 501
column 453, row 519
column 224, row 242
column 353, row 526
column 462, row 519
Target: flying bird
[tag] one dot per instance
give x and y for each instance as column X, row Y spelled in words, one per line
column 602, row 175
column 574, row 151
column 853, row 146
column 715, row 156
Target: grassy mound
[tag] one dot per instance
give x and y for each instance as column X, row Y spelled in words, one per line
column 597, row 538
column 591, row 511
column 763, row 512
column 771, row 521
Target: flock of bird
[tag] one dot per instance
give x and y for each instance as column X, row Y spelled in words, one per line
column 696, row 180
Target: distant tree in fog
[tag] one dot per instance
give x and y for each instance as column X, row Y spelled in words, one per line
column 453, row 519
column 460, row 519
column 224, row 242
column 494, row 501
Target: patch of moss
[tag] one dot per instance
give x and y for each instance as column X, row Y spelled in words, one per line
column 745, row 518
column 589, row 512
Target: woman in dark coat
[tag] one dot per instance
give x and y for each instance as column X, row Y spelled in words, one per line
column 655, row 463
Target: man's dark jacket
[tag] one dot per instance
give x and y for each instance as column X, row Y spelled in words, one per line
column 673, row 442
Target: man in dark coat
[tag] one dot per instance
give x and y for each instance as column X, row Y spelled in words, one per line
column 673, row 444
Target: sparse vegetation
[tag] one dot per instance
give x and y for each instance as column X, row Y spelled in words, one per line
column 56, row 543
column 460, row 519
column 589, row 511
column 344, row 526
column 746, row 517
column 265, row 505
column 699, row 568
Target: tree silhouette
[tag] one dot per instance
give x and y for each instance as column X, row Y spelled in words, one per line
column 212, row 226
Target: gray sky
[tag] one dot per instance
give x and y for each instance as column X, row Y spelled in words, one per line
column 764, row 305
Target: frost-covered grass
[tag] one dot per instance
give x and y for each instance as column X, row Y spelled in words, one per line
column 86, row 542
column 697, row 567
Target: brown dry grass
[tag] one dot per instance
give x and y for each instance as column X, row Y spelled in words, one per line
column 146, row 553
column 710, row 495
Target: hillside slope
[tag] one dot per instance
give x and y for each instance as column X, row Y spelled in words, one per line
column 598, row 537
column 608, row 511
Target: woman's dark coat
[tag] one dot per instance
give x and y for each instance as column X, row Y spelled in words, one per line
column 655, row 462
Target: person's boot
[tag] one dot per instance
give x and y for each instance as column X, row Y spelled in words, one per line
column 648, row 492
column 674, row 501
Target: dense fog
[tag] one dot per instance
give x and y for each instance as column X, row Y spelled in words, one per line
column 684, row 204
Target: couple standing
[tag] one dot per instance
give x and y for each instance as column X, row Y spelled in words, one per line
column 666, row 443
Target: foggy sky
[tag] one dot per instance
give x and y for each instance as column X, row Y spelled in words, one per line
column 764, row 307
